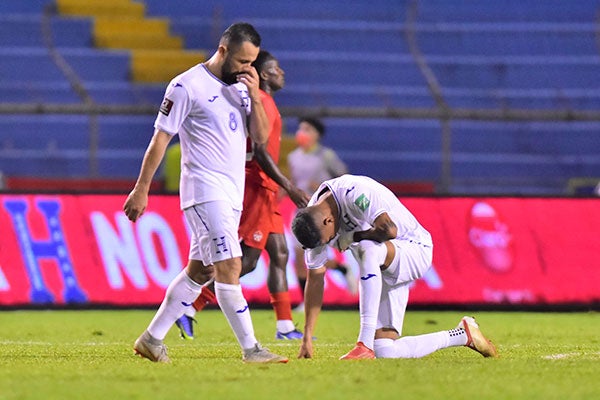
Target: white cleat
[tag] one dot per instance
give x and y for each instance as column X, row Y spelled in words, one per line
column 153, row 349
column 258, row 354
column 475, row 339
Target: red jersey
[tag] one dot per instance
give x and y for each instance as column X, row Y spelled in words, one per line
column 254, row 173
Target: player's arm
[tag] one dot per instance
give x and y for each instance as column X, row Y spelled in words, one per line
column 259, row 123
column 268, row 165
column 383, row 229
column 313, row 301
column 138, row 198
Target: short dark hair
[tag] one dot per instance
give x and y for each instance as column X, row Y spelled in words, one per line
column 316, row 123
column 305, row 229
column 239, row 33
column 262, row 58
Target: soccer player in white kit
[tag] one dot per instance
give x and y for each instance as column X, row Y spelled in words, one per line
column 213, row 107
column 392, row 250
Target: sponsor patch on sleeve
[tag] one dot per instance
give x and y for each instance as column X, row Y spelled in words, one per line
column 362, row 202
column 166, row 106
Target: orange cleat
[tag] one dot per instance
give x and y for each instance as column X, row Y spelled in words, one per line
column 475, row 339
column 359, row 352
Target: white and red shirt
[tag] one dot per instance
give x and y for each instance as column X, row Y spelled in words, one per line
column 211, row 120
column 360, row 201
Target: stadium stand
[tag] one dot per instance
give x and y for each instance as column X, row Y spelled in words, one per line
column 525, row 55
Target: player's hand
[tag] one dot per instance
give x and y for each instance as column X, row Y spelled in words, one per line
column 135, row 205
column 306, row 348
column 250, row 78
column 344, row 240
column 298, row 196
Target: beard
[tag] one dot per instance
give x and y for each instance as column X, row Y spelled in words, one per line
column 227, row 75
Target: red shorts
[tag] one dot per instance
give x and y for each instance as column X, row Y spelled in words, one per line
column 260, row 216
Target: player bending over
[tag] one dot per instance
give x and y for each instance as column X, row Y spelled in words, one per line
column 392, row 250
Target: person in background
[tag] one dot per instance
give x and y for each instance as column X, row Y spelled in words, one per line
column 310, row 164
column 172, row 168
column 261, row 225
column 213, row 107
column 392, row 250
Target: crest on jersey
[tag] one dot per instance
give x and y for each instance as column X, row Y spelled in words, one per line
column 257, row 236
column 165, row 107
column 362, row 202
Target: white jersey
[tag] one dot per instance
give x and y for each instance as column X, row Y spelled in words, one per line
column 211, row 120
column 360, row 201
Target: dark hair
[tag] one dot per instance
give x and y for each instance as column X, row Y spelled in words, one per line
column 305, row 229
column 316, row 123
column 239, row 33
column 262, row 58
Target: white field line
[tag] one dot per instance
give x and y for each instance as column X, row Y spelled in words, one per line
column 563, row 356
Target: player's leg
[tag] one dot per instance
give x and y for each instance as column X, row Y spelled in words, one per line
column 180, row 294
column 411, row 261
column 370, row 256
column 220, row 245
column 467, row 333
column 392, row 308
column 277, row 250
column 200, row 274
column 389, row 344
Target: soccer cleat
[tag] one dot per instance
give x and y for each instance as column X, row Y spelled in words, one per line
column 475, row 339
column 291, row 335
column 186, row 327
column 359, row 352
column 153, row 349
column 259, row 354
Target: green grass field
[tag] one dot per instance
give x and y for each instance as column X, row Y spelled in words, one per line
column 87, row 355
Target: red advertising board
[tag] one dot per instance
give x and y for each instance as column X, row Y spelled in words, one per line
column 72, row 249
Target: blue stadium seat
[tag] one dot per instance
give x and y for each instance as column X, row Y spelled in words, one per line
column 44, row 145
column 485, row 54
column 497, row 39
column 34, row 7
column 97, row 65
column 229, row 11
column 25, row 30
column 507, row 11
column 407, row 148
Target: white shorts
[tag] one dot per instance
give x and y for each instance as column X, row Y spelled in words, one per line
column 410, row 263
column 214, row 228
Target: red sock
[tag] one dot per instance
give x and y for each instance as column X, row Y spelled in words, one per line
column 282, row 305
column 206, row 297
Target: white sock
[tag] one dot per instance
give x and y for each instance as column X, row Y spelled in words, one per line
column 370, row 255
column 419, row 346
column 285, row 325
column 458, row 337
column 180, row 295
column 234, row 306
